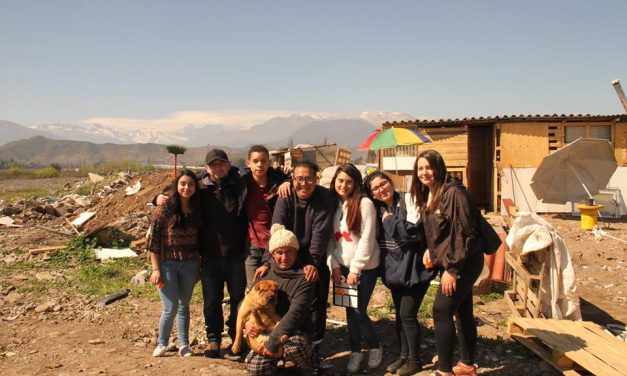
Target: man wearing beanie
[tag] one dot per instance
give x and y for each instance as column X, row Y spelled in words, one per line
column 293, row 306
column 309, row 212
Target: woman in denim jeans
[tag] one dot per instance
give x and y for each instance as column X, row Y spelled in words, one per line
column 175, row 258
column 356, row 258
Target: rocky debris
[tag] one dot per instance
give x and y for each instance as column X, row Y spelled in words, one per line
column 7, row 290
column 14, row 298
column 140, row 278
column 10, row 210
column 96, row 341
column 129, row 216
column 45, row 307
column 44, row 276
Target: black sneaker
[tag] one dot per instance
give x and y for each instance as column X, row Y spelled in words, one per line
column 395, row 365
column 212, row 350
column 233, row 357
column 409, row 368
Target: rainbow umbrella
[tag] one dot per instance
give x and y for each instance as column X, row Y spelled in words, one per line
column 393, row 137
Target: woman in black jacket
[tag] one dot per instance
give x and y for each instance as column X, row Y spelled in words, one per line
column 450, row 225
column 402, row 246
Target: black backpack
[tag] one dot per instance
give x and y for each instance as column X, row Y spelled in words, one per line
column 491, row 239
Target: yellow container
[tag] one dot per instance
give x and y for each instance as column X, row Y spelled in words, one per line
column 589, row 215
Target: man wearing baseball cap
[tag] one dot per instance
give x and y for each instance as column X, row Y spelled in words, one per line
column 223, row 245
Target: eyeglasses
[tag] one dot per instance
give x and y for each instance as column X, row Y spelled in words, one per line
column 304, row 180
column 383, row 184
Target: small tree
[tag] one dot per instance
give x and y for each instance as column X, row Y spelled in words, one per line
column 176, row 150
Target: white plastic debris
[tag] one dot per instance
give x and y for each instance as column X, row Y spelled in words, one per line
column 131, row 190
column 82, row 218
column 112, row 253
column 6, row 221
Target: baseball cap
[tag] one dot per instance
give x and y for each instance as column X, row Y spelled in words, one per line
column 216, row 154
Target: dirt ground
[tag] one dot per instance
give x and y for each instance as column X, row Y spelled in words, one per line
column 65, row 333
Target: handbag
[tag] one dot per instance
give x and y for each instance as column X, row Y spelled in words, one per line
column 491, row 239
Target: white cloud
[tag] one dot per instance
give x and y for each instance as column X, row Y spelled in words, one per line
column 229, row 118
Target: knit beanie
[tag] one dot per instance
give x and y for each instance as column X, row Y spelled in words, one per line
column 281, row 237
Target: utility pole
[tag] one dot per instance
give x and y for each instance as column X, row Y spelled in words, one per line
column 620, row 93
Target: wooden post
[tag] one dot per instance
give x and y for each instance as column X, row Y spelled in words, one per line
column 620, row 93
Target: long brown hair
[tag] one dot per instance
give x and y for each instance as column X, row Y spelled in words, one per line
column 174, row 209
column 353, row 214
column 419, row 191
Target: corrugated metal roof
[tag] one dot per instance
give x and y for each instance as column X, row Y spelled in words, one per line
column 513, row 118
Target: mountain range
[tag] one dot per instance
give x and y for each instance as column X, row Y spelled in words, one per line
column 274, row 132
column 71, row 144
column 10, row 131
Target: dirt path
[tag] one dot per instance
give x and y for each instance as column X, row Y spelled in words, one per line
column 80, row 339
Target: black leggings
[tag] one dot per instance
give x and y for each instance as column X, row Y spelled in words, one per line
column 460, row 305
column 407, row 301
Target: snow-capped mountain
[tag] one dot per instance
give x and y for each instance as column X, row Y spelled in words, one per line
column 272, row 131
column 102, row 134
column 379, row 117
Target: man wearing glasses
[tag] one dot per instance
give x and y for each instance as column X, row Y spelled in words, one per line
column 308, row 213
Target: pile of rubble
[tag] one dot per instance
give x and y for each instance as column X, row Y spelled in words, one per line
column 122, row 202
column 47, row 209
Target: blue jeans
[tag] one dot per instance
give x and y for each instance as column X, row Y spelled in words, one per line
column 253, row 261
column 359, row 324
column 179, row 278
column 215, row 273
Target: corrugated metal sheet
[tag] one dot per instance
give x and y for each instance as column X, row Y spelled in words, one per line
column 509, row 118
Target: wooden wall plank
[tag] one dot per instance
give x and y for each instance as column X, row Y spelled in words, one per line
column 452, row 143
column 620, row 143
column 524, row 144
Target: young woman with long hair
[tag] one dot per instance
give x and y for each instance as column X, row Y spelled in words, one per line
column 451, row 231
column 175, row 258
column 402, row 246
column 356, row 258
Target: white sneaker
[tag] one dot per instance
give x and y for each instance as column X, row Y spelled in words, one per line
column 354, row 362
column 375, row 357
column 185, row 351
column 159, row 350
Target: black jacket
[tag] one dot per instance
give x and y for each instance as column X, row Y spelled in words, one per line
column 311, row 221
column 452, row 229
column 293, row 304
column 223, row 202
column 402, row 245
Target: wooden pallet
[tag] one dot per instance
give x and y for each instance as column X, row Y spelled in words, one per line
column 525, row 297
column 572, row 347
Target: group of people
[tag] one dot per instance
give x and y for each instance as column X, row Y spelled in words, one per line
column 235, row 230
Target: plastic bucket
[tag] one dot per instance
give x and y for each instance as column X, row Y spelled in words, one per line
column 589, row 218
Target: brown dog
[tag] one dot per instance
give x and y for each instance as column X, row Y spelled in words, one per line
column 259, row 306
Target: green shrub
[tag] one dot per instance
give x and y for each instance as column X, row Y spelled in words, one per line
column 48, row 172
column 110, row 167
column 14, row 172
column 25, row 193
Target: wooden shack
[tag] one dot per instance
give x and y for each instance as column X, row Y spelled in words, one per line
column 496, row 157
column 322, row 155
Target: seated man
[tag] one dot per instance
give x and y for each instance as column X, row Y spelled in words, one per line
column 293, row 306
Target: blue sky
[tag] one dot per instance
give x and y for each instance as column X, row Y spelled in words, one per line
column 69, row 61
